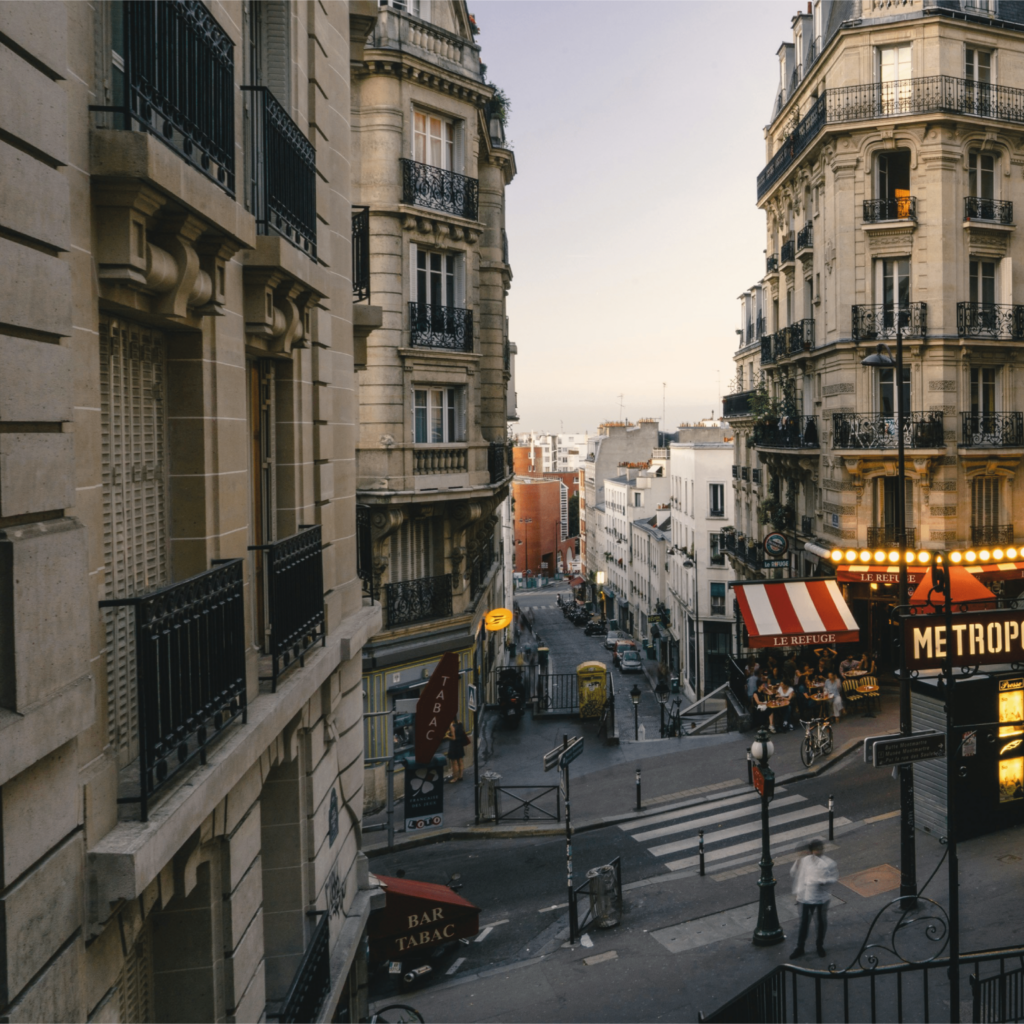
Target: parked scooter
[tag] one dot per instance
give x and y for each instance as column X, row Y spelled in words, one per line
column 511, row 698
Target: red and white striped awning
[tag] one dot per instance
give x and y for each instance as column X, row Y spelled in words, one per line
column 791, row 614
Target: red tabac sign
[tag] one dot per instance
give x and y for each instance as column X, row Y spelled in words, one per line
column 437, row 707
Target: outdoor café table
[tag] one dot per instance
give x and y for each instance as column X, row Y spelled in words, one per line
column 869, row 690
column 855, row 673
column 822, row 699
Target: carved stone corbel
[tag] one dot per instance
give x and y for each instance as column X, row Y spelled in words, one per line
column 177, row 237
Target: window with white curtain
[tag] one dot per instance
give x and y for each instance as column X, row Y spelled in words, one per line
column 439, row 415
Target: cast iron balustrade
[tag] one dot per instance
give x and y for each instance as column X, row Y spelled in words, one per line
column 735, row 476
column 295, row 597
column 729, row 540
column 885, row 536
column 412, row 601
column 780, row 345
column 789, row 432
column 787, row 253
column 440, row 327
column 744, row 473
column 1002, row 534
column 771, row 264
column 736, row 405
column 901, row 208
column 990, row 320
column 768, row 350
column 873, row 323
column 438, row 189
column 283, row 172
column 999, row 211
column 807, row 526
column 798, row 337
column 992, row 429
column 361, row 253
column 440, row 460
column 852, row 430
column 805, row 238
column 364, row 551
column 312, row 980
column 189, row 671
column 759, row 327
column 179, row 83
column 499, row 461
column 936, row 94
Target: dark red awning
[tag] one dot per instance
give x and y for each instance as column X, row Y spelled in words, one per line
column 418, row 915
column 577, row 581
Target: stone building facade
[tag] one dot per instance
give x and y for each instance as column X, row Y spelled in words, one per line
column 430, row 168
column 181, row 620
column 893, row 166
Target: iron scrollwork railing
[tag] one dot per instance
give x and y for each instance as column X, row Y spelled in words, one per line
column 499, row 461
column 737, row 404
column 189, row 671
column 295, row 597
column 805, row 238
column 361, row 253
column 999, row 211
column 312, row 980
column 1001, row 534
column 885, row 536
column 798, row 337
column 992, row 429
column 877, row 430
column 990, row 320
column 283, row 173
column 179, row 81
column 438, row 189
column 788, row 252
column 440, row 327
column 364, row 552
column 768, row 350
column 411, row 601
column 771, row 264
column 873, row 323
column 788, row 432
column 900, row 208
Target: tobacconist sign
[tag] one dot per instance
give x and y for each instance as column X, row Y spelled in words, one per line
column 975, row 638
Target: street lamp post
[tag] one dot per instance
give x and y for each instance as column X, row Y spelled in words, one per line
column 634, row 696
column 691, row 563
column 768, row 931
column 882, row 359
column 661, row 692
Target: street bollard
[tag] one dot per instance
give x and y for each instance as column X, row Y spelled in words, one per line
column 700, row 850
column 750, row 768
column 638, row 807
column 831, row 815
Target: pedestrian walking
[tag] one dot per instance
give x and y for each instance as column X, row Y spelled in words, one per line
column 813, row 876
column 457, row 743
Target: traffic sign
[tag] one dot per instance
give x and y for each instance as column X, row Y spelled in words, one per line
column 764, row 780
column 920, row 746
column 563, row 755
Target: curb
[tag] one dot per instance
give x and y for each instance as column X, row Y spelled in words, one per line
column 533, row 832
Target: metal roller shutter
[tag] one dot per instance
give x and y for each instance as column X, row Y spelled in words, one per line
column 928, row 713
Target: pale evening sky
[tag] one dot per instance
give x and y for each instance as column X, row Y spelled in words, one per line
column 638, row 133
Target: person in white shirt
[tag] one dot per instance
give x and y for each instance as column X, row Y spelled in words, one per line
column 812, row 878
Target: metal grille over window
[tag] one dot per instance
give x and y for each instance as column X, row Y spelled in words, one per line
column 361, row 253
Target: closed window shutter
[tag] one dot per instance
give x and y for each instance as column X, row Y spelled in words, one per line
column 135, row 982
column 133, row 434
column 413, row 274
column 985, row 501
column 460, row 280
column 908, row 502
column 275, row 67
column 460, row 147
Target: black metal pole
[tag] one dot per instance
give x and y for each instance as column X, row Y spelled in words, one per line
column 477, row 726
column 768, row 932
column 636, row 721
column 700, row 850
column 908, row 851
column 390, row 769
column 638, row 806
column 750, row 768
column 568, row 851
column 831, row 816
column 953, row 865
column 662, row 708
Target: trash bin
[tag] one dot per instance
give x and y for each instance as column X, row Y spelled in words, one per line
column 542, row 657
column 489, row 795
column 604, row 902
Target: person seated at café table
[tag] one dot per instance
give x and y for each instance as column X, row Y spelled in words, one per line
column 834, row 688
column 753, row 680
column 787, row 693
column 759, row 712
column 850, row 664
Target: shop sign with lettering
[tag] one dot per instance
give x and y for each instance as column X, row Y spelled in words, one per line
column 975, row 638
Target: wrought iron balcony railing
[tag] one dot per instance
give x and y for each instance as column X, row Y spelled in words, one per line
column 807, row 526
column 499, row 461
column 312, row 980
column 873, row 323
column 768, row 350
column 798, row 337
column 480, row 568
column 294, row 572
column 902, row 208
column 440, row 327
column 361, row 253
column 990, row 320
column 999, row 211
column 875, row 430
column 935, row 94
column 885, row 536
column 736, row 405
column 1002, row 534
column 744, row 473
column 771, row 264
column 438, row 189
column 411, row 601
column 789, row 432
column 735, row 476
column 992, row 429
column 805, row 238
column 179, row 83
column 283, row 169
column 189, row 671
column 780, row 345
column 787, row 253
column 440, row 459
column 364, row 551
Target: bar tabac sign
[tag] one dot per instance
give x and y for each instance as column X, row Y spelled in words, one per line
column 974, row 638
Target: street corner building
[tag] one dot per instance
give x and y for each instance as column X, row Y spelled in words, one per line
column 430, row 165
column 183, row 324
column 889, row 194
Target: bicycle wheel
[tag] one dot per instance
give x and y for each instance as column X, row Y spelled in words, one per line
column 807, row 751
column 826, row 739
column 397, row 1013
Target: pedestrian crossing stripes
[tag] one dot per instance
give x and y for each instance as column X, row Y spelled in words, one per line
column 731, row 825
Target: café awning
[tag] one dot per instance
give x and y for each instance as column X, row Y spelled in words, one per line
column 418, row 915
column 795, row 613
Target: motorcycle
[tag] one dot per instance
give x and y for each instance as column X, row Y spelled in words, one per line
column 511, row 698
column 594, row 628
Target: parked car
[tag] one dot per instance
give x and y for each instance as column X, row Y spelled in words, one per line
column 613, row 637
column 620, row 646
column 629, row 661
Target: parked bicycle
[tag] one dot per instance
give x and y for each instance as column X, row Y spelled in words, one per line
column 817, row 740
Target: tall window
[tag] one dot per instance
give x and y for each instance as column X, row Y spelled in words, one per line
column 981, row 175
column 717, row 598
column 889, row 502
column 435, row 278
column 978, row 72
column 983, row 281
column 439, row 415
column 896, row 283
column 434, row 140
column 984, row 502
column 716, row 500
column 894, row 183
column 894, row 78
column 983, row 390
column 887, row 393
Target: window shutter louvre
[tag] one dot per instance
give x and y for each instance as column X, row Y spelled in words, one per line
column 460, row 147
column 275, row 67
column 413, row 274
column 460, row 280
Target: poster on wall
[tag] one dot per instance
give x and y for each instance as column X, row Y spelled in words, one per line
column 424, row 796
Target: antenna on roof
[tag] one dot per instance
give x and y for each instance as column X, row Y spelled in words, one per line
column 620, row 405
